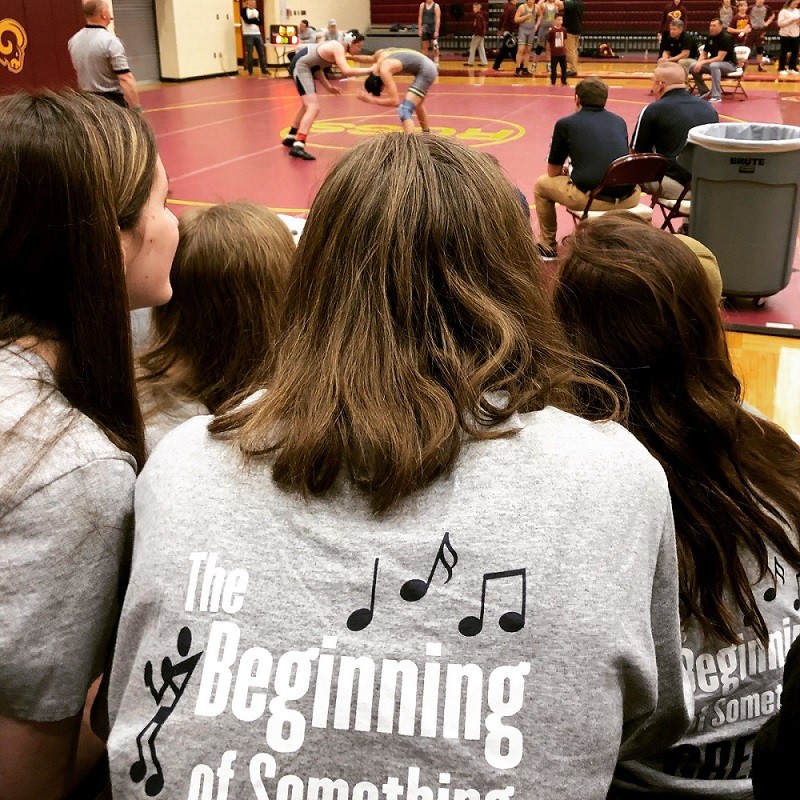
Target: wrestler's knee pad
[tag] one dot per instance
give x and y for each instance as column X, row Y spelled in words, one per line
column 405, row 110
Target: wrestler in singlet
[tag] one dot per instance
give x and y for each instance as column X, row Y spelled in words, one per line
column 414, row 63
column 302, row 66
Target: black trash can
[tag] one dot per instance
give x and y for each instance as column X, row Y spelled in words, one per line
column 746, row 201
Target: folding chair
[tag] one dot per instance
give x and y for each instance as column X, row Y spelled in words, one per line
column 626, row 171
column 735, row 77
column 674, row 209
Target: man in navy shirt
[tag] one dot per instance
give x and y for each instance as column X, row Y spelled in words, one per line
column 591, row 138
column 664, row 125
column 718, row 60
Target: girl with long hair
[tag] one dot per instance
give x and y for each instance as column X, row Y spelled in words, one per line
column 383, row 570
column 220, row 327
column 84, row 236
column 637, row 300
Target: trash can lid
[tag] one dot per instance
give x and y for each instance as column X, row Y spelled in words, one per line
column 746, row 137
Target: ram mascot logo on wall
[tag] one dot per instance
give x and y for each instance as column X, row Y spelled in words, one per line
column 13, row 41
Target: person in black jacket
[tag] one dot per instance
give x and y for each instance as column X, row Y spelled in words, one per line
column 573, row 22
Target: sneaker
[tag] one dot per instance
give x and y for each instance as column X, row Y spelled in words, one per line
column 525, row 72
column 288, row 141
column 706, row 96
column 766, row 60
column 564, row 83
column 784, row 72
column 301, row 152
column 794, row 72
column 714, row 99
column 572, row 74
column 546, row 253
column 552, row 83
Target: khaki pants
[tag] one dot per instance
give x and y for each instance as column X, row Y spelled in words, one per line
column 549, row 191
column 572, row 45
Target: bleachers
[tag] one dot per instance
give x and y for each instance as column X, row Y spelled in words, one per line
column 618, row 16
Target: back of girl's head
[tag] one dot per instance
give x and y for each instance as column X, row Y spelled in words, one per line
column 639, row 301
column 228, row 281
column 414, row 292
column 635, row 298
column 74, row 170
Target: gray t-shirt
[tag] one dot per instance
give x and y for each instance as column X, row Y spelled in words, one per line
column 98, row 57
column 65, row 532
column 511, row 630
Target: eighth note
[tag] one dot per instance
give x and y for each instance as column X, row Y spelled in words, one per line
column 772, row 592
column 362, row 617
column 416, row 588
column 796, row 603
column 510, row 621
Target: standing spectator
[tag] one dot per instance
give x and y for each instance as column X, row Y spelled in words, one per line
column 573, row 22
column 591, row 139
column 789, row 32
column 428, row 23
column 305, row 33
column 557, row 43
column 678, row 46
column 507, row 30
column 251, row 37
column 726, row 13
column 718, row 60
column 526, row 16
column 760, row 19
column 740, row 22
column 479, row 27
column 674, row 10
column 547, row 14
column 99, row 58
column 663, row 126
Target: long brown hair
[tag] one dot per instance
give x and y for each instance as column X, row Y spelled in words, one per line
column 415, row 294
column 228, row 281
column 639, row 301
column 74, row 170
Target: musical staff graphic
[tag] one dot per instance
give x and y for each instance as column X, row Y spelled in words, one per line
column 362, row 617
column 416, row 588
column 510, row 621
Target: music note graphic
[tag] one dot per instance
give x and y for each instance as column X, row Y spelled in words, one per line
column 510, row 621
column 772, row 592
column 416, row 588
column 175, row 677
column 362, row 617
column 796, row 603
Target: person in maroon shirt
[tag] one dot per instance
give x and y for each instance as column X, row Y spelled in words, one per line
column 479, row 27
column 508, row 32
column 557, row 41
column 674, row 10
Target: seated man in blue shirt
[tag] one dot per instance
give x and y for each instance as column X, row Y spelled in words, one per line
column 591, row 138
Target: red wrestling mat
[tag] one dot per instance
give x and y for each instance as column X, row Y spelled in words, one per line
column 220, row 140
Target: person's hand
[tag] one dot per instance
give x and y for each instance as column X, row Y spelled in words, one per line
column 363, row 96
column 334, row 90
column 565, row 170
column 696, row 67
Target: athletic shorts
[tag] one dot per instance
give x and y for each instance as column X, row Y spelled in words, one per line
column 427, row 36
